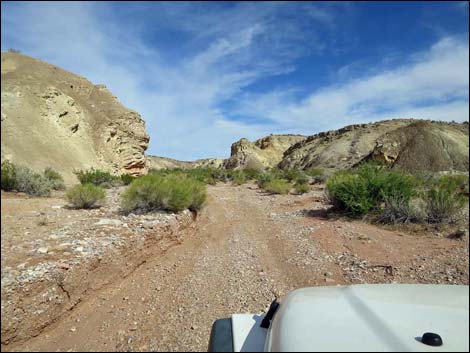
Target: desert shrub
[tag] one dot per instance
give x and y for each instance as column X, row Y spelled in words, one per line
column 56, row 180
column 166, row 192
column 290, row 174
column 457, row 184
column 348, row 192
column 263, row 179
column 239, row 178
column 127, row 178
column 444, row 200
column 301, row 179
column 96, row 177
column 318, row 175
column 211, row 180
column 217, row 174
column 382, row 182
column 364, row 190
column 314, row 172
column 85, row 195
column 397, row 209
column 278, row 186
column 23, row 179
column 251, row 173
column 199, row 196
column 8, row 178
column 301, row 188
column 31, row 182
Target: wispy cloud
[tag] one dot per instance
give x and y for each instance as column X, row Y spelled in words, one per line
column 191, row 69
column 433, row 84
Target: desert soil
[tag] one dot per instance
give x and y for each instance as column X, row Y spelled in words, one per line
column 243, row 250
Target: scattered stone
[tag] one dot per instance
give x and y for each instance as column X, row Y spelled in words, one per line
column 43, row 250
column 63, row 266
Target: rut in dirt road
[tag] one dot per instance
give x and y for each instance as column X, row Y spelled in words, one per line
column 248, row 249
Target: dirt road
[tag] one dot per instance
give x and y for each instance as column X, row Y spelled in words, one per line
column 247, row 248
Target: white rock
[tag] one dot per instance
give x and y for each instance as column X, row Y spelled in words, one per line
column 43, row 250
column 106, row 221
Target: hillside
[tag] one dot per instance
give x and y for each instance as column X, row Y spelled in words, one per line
column 403, row 143
column 155, row 162
column 52, row 117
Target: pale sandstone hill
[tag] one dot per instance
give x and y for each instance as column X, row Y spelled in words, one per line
column 266, row 152
column 155, row 162
column 51, row 117
column 404, row 143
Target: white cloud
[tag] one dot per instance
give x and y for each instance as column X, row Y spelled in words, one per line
column 434, row 81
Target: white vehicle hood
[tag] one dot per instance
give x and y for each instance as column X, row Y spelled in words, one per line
column 381, row 317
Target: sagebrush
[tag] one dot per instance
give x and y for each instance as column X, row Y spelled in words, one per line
column 85, row 196
column 173, row 192
column 97, row 177
column 278, row 186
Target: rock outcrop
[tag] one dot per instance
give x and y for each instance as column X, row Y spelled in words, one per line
column 264, row 153
column 51, row 117
column 407, row 144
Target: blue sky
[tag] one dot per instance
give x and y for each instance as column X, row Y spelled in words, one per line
column 204, row 74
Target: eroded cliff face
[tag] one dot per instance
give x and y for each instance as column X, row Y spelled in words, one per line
column 264, row 153
column 51, row 117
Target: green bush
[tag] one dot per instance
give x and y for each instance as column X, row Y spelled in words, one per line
column 127, row 178
column 85, row 195
column 211, row 180
column 31, row 182
column 364, row 190
column 263, row 179
column 167, row 192
column 23, row 179
column 239, row 178
column 457, row 184
column 251, row 174
column 349, row 192
column 278, row 186
column 96, row 177
column 290, row 174
column 55, row 179
column 314, row 172
column 444, row 199
column 302, row 188
column 301, row 179
column 8, row 178
column 318, row 175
